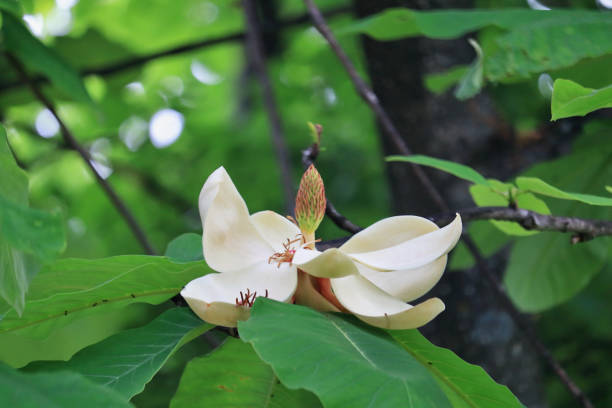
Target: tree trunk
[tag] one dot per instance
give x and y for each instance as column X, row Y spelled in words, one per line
column 468, row 132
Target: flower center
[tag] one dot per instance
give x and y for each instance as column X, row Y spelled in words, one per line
column 247, row 298
column 286, row 255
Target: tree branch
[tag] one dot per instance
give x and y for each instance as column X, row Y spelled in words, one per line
column 71, row 141
column 583, row 229
column 256, row 52
column 196, row 45
column 372, row 100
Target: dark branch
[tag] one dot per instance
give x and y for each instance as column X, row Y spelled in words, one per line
column 71, row 141
column 258, row 59
column 372, row 100
column 141, row 60
column 584, row 229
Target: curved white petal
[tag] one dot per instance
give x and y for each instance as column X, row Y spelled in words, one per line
column 331, row 263
column 275, row 228
column 230, row 240
column 415, row 252
column 387, row 233
column 377, row 308
column 306, row 294
column 213, row 297
column 408, row 284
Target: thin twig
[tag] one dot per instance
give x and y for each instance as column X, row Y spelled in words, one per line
column 583, row 229
column 74, row 144
column 256, row 52
column 372, row 100
column 196, row 45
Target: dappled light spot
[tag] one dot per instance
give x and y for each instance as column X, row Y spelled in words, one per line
column 203, row 74
column 66, row 4
column 136, row 88
column 165, row 127
column 46, row 124
column 35, row 23
column 58, row 22
column 133, row 132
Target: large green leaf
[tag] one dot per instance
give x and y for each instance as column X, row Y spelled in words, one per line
column 465, row 385
column 75, row 287
column 234, row 376
column 344, row 362
column 439, row 82
column 572, row 99
column 63, row 389
column 539, row 186
column 546, row 270
column 456, row 169
column 12, row 6
column 128, row 360
column 40, row 58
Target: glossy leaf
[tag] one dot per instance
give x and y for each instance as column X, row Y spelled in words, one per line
column 76, row 287
column 185, row 248
column 234, row 376
column 40, row 58
column 473, row 80
column 456, row 169
column 63, row 389
column 465, row 384
column 539, row 186
column 344, row 362
column 572, row 99
column 127, row 361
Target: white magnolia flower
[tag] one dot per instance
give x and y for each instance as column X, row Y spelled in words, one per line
column 253, row 254
column 379, row 269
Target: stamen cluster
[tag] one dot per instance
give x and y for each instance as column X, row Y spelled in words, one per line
column 247, row 299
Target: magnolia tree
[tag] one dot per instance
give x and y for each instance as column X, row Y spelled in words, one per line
column 263, row 309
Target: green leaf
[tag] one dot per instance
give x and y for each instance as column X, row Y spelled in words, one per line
column 572, row 99
column 185, row 248
column 465, row 385
column 541, row 187
column 546, row 270
column 13, row 276
column 64, row 389
column 33, row 231
column 14, row 184
column 70, row 288
column 473, row 80
column 499, row 195
column 344, row 362
column 487, row 237
column 127, row 361
column 456, row 169
column 40, row 58
column 234, row 376
column 440, row 82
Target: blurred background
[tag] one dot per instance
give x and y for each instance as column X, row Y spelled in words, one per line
column 175, row 95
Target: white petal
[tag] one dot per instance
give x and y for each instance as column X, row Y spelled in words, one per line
column 387, row 233
column 329, row 264
column 377, row 308
column 408, row 284
column 307, row 295
column 415, row 252
column 213, row 297
column 275, row 228
column 230, row 240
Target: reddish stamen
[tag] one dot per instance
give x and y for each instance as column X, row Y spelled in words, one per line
column 247, row 299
